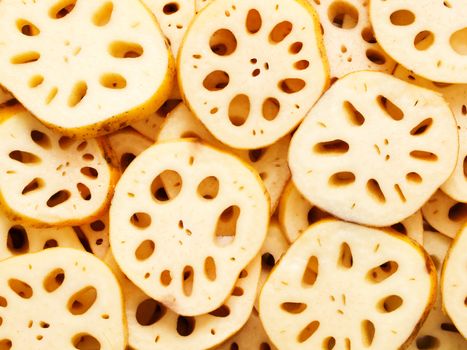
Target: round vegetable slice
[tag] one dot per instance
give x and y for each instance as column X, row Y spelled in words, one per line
column 97, row 235
column 151, row 325
column 349, row 39
column 174, row 16
column 60, row 298
column 437, row 332
column 370, row 154
column 347, row 286
column 251, row 337
column 445, row 214
column 49, row 179
column 51, row 67
column 425, row 36
column 456, row 96
column 251, row 69
column 296, row 214
column 205, row 205
column 270, row 162
column 127, row 144
column 17, row 239
column 454, row 283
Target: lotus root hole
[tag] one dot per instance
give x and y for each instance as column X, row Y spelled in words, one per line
column 21, row 288
column 185, row 325
column 80, row 302
column 424, row 40
column 222, row 42
column 253, row 21
column 150, row 312
column 226, row 227
column 103, row 14
column 208, row 188
column 145, row 250
column 166, row 186
column 141, row 220
column 17, row 240
column 382, row 272
column 402, row 18
column 293, row 308
column 85, row 341
column 54, row 280
column 310, row 274
column 307, row 332
column 124, row 49
column 343, row 15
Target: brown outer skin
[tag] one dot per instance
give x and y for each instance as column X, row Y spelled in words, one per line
column 108, row 155
column 121, row 120
column 430, row 268
column 448, row 254
column 321, row 49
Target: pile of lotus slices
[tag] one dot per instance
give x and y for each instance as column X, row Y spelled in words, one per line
column 233, row 174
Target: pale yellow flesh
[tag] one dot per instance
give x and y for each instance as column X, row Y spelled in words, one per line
column 349, row 39
column 212, row 247
column 425, row 36
column 276, row 69
column 375, row 155
column 53, row 302
column 329, row 288
column 39, row 163
column 131, row 78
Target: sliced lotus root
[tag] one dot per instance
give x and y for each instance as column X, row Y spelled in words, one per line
column 97, row 236
column 437, row 332
column 126, row 145
column 131, row 78
column 270, row 162
column 296, row 214
column 454, row 283
column 445, row 214
column 409, row 139
column 456, row 95
column 350, row 287
column 251, row 337
column 273, row 248
column 259, row 72
column 174, row 16
column 349, row 39
column 49, row 179
column 17, row 239
column 428, row 37
column 60, row 298
column 205, row 205
column 152, row 325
